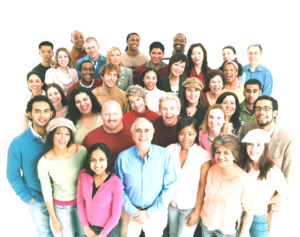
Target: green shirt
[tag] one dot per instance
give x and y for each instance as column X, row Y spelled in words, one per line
column 245, row 114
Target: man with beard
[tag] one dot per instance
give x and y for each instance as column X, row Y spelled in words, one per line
column 281, row 147
column 86, row 72
column 78, row 51
column 179, row 43
column 116, row 135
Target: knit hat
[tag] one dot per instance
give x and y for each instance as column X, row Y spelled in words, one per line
column 256, row 135
column 58, row 122
column 193, row 82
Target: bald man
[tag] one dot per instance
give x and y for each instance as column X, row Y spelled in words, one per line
column 113, row 132
column 78, row 51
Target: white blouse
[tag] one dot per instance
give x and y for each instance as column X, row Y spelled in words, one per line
column 188, row 177
column 152, row 99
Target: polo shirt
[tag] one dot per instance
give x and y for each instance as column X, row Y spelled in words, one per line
column 162, row 71
column 100, row 63
column 245, row 115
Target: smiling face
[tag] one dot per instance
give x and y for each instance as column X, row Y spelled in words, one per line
column 187, row 137
column 142, row 134
column 229, row 105
column 61, row 137
column 40, row 114
column 46, row 53
column 177, row 68
column 83, row 103
column 156, row 56
column 179, row 43
column 35, row 84
column 197, row 55
column 150, row 80
column 169, row 110
column 216, row 119
column 216, row 85
column 133, row 42
column 265, row 118
column 137, row 103
column 78, row 40
column 255, row 150
column 230, row 72
column 54, row 96
column 224, row 157
column 87, row 72
column 110, row 79
column 112, row 118
column 192, row 95
column 62, row 59
column 98, row 161
column 115, row 57
column 228, row 54
column 92, row 48
column 254, row 55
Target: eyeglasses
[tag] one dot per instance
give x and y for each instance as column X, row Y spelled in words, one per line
column 266, row 108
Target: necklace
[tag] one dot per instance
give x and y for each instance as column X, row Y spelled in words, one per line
column 211, row 140
column 90, row 121
column 230, row 175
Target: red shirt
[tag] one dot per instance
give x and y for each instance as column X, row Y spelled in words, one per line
column 200, row 76
column 132, row 115
column 162, row 71
column 117, row 142
column 97, row 83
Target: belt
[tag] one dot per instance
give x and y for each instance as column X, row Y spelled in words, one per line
column 141, row 208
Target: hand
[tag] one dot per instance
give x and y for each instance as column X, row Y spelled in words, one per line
column 243, row 234
column 141, row 217
column 272, row 208
column 31, row 201
column 57, row 226
column 193, row 219
column 99, row 235
column 89, row 232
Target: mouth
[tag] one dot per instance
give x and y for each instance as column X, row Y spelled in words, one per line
column 84, row 108
column 169, row 117
column 221, row 160
column 54, row 101
column 87, row 76
column 61, row 142
column 34, row 87
column 216, row 89
column 186, row 143
column 42, row 120
column 150, row 85
column 229, row 111
column 98, row 169
column 112, row 122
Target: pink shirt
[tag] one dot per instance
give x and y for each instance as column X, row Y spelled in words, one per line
column 224, row 201
column 203, row 143
column 104, row 209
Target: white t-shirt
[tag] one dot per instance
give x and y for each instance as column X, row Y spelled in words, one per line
column 175, row 89
column 265, row 189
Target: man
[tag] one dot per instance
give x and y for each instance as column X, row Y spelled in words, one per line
column 46, row 53
column 92, row 48
column 257, row 71
column 179, row 44
column 86, row 72
column 281, row 147
column 113, row 132
column 156, row 53
column 78, row 51
column 132, row 57
column 23, row 154
column 110, row 74
column 165, row 125
column 148, row 175
column 252, row 90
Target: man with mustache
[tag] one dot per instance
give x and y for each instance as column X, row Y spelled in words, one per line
column 113, row 132
column 78, row 51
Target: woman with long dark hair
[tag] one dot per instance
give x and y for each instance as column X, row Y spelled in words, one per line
column 57, row 97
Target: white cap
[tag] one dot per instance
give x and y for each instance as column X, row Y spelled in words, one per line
column 257, row 135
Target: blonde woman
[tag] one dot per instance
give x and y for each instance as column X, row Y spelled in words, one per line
column 114, row 56
column 62, row 72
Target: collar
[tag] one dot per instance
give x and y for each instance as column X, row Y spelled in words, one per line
column 148, row 156
column 30, row 94
column 103, row 93
column 270, row 132
column 259, row 68
column 149, row 92
column 101, row 58
column 243, row 107
column 87, row 86
column 163, row 65
column 140, row 114
column 36, row 135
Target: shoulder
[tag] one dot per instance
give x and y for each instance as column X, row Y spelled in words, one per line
column 119, row 91
column 82, row 59
column 50, row 70
column 141, row 66
column 96, row 132
column 102, row 57
column 18, row 141
column 156, row 120
column 126, row 69
column 161, row 151
column 165, row 78
column 249, row 126
column 126, row 154
column 173, row 147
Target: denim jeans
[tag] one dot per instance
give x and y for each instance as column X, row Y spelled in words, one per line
column 69, row 220
column 115, row 232
column 259, row 227
column 41, row 218
column 213, row 233
column 177, row 222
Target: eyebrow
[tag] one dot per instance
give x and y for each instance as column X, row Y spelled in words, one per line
column 36, row 110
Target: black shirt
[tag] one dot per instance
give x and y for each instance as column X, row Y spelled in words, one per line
column 95, row 189
column 199, row 115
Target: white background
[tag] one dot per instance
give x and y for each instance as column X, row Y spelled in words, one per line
column 24, row 24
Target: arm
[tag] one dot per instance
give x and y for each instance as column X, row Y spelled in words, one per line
column 48, row 76
column 136, row 77
column 268, row 84
column 77, row 69
column 129, row 76
column 86, row 142
column 194, row 216
column 247, row 222
column 25, row 121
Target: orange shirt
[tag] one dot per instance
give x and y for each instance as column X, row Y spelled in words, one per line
column 76, row 55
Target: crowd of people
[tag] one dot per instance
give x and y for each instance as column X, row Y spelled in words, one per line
column 124, row 145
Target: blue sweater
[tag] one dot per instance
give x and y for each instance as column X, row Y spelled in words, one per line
column 24, row 153
column 100, row 64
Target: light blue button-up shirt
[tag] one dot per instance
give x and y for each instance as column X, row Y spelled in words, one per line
column 100, row 63
column 263, row 75
column 146, row 184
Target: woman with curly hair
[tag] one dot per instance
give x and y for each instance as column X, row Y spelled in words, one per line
column 84, row 111
column 197, row 63
column 231, row 104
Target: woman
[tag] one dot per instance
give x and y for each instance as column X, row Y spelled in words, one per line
column 197, row 63
column 173, row 81
column 215, row 80
column 229, row 53
column 267, row 177
column 57, row 97
column 62, row 72
column 36, row 86
column 231, row 104
column 58, row 171
column 84, row 111
column 228, row 192
column 192, row 102
column 99, row 193
column 114, row 56
column 192, row 164
column 215, row 124
column 151, row 82
column 136, row 98
column 232, row 70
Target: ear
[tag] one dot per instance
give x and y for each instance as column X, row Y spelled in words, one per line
column 29, row 114
column 275, row 113
column 260, row 92
column 150, row 54
column 164, row 54
column 244, row 92
column 72, row 41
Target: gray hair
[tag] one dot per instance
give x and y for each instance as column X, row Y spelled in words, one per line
column 230, row 142
column 256, row 45
column 135, row 90
column 182, row 35
column 138, row 119
column 169, row 96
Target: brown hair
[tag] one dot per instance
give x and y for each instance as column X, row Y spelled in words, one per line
column 185, row 103
column 213, row 73
column 55, row 64
column 64, row 100
column 49, row 140
column 108, row 68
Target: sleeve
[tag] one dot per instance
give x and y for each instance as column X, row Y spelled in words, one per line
column 126, row 107
column 268, row 84
column 126, row 204
column 136, row 77
column 117, row 198
column 86, row 142
column 81, row 202
column 129, row 76
column 25, row 121
column 243, row 78
column 13, row 174
column 77, row 68
column 75, row 76
column 248, row 198
column 279, row 181
column 48, row 77
column 45, row 179
column 163, row 200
